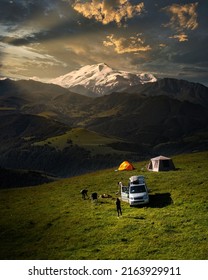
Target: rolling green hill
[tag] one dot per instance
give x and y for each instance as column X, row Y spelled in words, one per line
column 146, row 120
column 89, row 140
column 49, row 129
column 42, row 144
column 51, row 221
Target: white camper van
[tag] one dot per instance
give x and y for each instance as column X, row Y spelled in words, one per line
column 136, row 193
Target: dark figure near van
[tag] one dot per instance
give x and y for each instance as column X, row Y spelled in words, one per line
column 84, row 193
column 118, row 207
column 94, row 196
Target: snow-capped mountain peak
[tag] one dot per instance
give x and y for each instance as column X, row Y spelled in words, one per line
column 99, row 79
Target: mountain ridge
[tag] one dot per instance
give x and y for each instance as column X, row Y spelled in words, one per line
column 175, row 88
column 35, row 115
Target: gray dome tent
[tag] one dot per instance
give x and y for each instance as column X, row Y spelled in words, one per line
column 160, row 163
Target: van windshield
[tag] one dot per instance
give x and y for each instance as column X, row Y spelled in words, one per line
column 137, row 189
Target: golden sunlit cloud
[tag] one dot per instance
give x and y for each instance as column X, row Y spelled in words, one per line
column 162, row 45
column 180, row 37
column 182, row 16
column 107, row 11
column 126, row 45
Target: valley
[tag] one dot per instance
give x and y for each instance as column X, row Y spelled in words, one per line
column 49, row 129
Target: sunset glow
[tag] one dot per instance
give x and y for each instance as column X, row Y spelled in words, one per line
column 47, row 39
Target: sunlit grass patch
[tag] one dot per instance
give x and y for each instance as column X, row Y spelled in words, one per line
column 52, row 221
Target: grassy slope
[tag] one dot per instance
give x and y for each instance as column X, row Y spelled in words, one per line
column 53, row 222
column 91, row 141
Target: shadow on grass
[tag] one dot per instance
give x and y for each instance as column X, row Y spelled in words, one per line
column 157, row 200
column 160, row 200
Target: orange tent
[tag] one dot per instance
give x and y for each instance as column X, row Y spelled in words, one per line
column 126, row 166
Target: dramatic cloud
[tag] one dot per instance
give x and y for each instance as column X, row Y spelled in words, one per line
column 180, row 37
column 122, row 45
column 19, row 59
column 107, row 11
column 182, row 16
column 49, row 38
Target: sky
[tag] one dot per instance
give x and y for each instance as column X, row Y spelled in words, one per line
column 43, row 39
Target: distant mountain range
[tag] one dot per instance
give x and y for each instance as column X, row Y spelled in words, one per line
column 99, row 79
column 48, row 128
column 174, row 88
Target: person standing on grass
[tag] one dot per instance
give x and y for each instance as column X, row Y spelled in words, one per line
column 118, row 207
column 84, row 193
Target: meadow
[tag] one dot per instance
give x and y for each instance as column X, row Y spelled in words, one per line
column 91, row 141
column 52, row 221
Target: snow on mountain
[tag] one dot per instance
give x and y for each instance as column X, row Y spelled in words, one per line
column 99, row 79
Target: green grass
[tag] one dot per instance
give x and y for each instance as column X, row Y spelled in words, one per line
column 84, row 138
column 51, row 221
column 47, row 114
